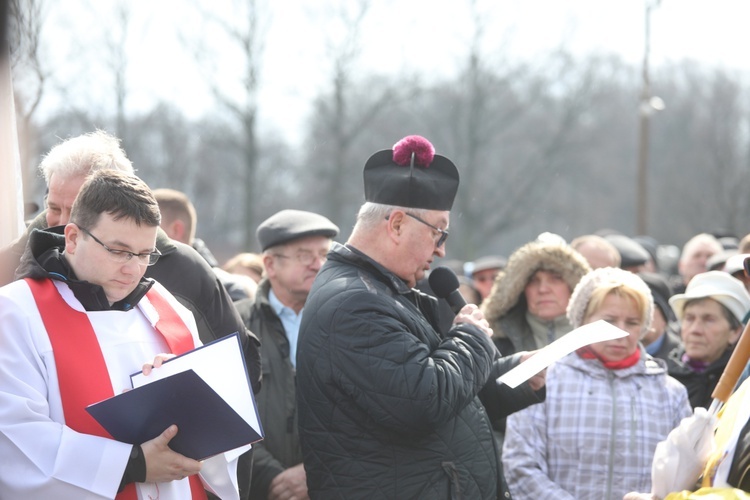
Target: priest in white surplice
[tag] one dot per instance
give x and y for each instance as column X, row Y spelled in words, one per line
column 71, row 333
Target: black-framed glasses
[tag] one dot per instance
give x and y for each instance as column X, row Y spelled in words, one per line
column 442, row 232
column 123, row 256
column 304, row 258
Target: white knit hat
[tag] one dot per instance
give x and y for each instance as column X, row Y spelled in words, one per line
column 717, row 285
column 611, row 277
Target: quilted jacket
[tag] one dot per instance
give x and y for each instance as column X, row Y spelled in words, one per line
column 387, row 407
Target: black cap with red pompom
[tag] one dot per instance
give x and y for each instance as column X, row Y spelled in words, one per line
column 411, row 175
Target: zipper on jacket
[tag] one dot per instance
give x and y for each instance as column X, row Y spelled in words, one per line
column 290, row 423
column 612, row 431
column 633, row 422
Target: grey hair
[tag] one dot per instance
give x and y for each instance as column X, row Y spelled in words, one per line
column 698, row 240
column 370, row 214
column 85, row 154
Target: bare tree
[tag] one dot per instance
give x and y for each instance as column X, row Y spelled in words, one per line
column 26, row 23
column 727, row 140
column 701, row 145
column 242, row 30
column 346, row 114
column 338, row 112
column 115, row 42
column 30, row 74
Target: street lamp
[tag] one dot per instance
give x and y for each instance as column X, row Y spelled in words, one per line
column 648, row 104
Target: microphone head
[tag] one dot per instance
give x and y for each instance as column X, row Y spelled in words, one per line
column 443, row 281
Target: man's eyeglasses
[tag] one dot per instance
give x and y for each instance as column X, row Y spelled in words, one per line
column 304, row 258
column 123, row 256
column 442, row 232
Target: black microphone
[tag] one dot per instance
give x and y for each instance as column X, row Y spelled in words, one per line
column 444, row 283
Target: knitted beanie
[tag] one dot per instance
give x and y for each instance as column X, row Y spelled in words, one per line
column 611, row 278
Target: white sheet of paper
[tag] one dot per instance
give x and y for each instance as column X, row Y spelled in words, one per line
column 598, row 331
column 221, row 365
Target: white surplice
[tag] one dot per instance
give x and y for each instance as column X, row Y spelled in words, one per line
column 43, row 458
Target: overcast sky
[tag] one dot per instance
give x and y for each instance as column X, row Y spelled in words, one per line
column 422, row 35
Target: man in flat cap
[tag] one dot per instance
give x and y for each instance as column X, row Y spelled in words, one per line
column 484, row 272
column 388, row 407
column 294, row 244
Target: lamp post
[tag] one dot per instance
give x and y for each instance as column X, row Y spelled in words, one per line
column 648, row 104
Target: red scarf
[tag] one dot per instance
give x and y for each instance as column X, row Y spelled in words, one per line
column 587, row 352
column 81, row 384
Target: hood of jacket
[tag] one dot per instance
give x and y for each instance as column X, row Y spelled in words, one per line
column 44, row 258
column 508, row 289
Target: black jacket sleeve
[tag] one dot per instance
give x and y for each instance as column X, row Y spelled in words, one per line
column 499, row 399
column 188, row 277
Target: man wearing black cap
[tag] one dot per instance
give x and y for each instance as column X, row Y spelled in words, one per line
column 294, row 245
column 388, row 407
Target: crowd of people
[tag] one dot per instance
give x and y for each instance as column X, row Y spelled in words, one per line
column 367, row 384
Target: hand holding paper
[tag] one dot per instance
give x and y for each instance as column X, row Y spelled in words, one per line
column 537, row 381
column 205, row 392
column 598, row 331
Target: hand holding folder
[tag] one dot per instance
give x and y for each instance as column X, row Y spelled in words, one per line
column 206, row 392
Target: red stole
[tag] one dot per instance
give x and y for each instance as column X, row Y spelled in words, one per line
column 83, row 383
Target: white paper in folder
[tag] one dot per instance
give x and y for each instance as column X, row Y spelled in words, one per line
column 598, row 331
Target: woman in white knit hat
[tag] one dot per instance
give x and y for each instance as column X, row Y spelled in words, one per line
column 608, row 405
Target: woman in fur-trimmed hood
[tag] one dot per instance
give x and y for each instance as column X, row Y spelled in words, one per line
column 506, row 308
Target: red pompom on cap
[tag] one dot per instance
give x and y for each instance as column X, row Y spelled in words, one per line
column 413, row 147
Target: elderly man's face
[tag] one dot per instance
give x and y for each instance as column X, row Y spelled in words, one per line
column 419, row 246
column 706, row 331
column 62, row 193
column 292, row 268
column 483, row 280
column 695, row 262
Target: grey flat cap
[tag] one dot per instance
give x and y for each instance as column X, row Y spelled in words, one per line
column 489, row 262
column 288, row 225
column 632, row 253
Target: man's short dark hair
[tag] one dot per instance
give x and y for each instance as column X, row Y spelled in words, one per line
column 117, row 193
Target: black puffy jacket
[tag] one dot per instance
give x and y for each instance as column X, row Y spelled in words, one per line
column 387, row 407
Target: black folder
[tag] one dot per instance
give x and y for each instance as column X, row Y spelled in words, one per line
column 207, row 424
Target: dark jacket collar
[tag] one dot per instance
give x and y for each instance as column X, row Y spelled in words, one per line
column 426, row 304
column 355, row 256
column 45, row 258
column 164, row 244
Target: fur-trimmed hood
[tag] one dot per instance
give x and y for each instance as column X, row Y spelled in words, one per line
column 507, row 291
